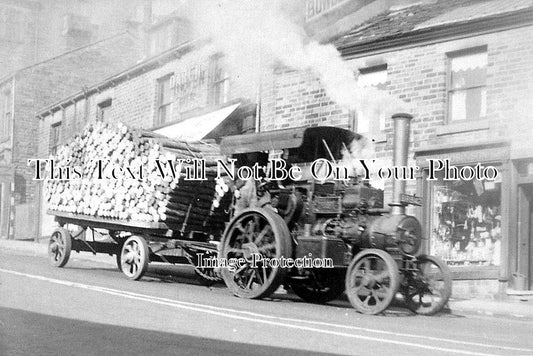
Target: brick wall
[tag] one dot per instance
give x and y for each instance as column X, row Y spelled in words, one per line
column 134, row 101
column 418, row 76
column 293, row 98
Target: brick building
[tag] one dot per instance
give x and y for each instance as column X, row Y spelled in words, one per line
column 184, row 93
column 465, row 68
column 23, row 92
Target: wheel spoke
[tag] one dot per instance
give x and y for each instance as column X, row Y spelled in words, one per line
column 267, row 247
column 367, row 299
column 361, row 288
column 250, row 228
column 237, row 272
column 262, row 234
column 260, row 278
column 381, row 276
column 249, row 284
column 240, row 228
column 257, row 221
column 265, row 276
column 381, row 294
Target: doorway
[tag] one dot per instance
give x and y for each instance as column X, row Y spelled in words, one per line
column 524, row 278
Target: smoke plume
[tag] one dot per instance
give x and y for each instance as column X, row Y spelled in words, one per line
column 254, row 34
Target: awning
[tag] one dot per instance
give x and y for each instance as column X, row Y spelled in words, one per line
column 308, row 139
column 265, row 141
column 196, row 128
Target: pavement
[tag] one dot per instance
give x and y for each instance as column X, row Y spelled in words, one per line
column 516, row 305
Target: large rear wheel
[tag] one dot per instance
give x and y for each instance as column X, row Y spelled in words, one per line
column 372, row 281
column 254, row 243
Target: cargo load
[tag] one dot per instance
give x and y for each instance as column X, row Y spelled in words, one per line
column 121, row 173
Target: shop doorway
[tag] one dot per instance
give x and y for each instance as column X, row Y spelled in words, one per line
column 524, row 276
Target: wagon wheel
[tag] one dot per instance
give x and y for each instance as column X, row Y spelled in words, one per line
column 372, row 281
column 321, row 287
column 135, row 257
column 429, row 288
column 59, row 247
column 258, row 232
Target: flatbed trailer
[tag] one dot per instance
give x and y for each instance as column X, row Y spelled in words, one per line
column 134, row 243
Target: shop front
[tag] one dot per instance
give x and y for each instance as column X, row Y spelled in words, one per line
column 466, row 219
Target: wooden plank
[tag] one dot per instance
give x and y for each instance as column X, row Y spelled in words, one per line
column 108, row 224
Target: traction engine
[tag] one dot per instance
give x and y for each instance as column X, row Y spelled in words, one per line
column 337, row 234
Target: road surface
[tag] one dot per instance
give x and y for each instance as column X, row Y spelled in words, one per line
column 90, row 308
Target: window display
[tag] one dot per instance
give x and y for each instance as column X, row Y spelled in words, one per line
column 466, row 222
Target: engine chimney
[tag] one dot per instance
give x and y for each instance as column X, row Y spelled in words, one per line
column 402, row 126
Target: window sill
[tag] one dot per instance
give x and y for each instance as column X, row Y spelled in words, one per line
column 474, row 272
column 462, row 127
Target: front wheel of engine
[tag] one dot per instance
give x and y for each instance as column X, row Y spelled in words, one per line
column 429, row 288
column 254, row 243
column 372, row 281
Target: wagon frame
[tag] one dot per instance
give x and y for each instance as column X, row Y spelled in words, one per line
column 134, row 243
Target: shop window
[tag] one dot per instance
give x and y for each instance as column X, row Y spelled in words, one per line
column 467, row 78
column 219, row 81
column 55, row 134
column 164, row 100
column 376, row 77
column 6, row 117
column 466, row 222
column 104, row 111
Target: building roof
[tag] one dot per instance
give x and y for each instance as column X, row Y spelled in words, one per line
column 139, row 68
column 429, row 16
column 118, row 41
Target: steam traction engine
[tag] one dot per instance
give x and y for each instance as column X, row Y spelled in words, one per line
column 375, row 251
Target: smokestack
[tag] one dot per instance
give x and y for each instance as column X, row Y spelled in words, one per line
column 402, row 126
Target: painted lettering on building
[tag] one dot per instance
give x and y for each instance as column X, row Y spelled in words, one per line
column 190, row 87
column 316, row 8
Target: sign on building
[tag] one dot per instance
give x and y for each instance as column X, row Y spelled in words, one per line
column 190, row 87
column 317, row 8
